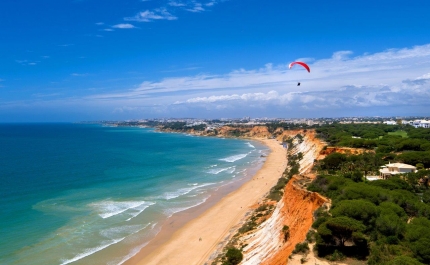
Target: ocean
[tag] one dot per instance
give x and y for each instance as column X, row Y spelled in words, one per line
column 90, row 194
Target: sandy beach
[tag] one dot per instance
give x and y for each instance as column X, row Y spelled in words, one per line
column 195, row 240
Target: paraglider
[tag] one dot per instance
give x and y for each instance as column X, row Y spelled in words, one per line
column 302, row 64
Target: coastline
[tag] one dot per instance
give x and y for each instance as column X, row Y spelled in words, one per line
column 179, row 238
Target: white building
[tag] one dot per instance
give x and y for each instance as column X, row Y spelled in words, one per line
column 420, row 123
column 392, row 169
column 390, row 122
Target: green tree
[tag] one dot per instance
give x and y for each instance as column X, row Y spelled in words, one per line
column 388, row 207
column 418, row 236
column 357, row 176
column 340, row 229
column 390, row 224
column 333, row 161
column 422, row 250
column 403, row 260
column 426, row 196
column 361, row 210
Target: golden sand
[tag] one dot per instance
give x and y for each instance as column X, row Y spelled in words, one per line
column 197, row 239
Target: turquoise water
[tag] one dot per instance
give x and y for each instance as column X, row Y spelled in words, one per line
column 88, row 194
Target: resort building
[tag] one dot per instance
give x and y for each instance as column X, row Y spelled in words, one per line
column 390, row 122
column 420, row 123
column 393, row 169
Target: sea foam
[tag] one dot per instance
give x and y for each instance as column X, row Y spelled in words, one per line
column 171, row 211
column 106, row 209
column 183, row 191
column 122, row 231
column 138, row 210
column 216, row 171
column 90, row 251
column 250, row 145
column 234, row 158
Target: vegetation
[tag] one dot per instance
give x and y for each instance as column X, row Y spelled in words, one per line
column 401, row 133
column 386, row 140
column 301, row 248
column 265, row 209
column 382, row 221
column 286, row 232
column 385, row 221
column 292, row 169
column 272, row 126
column 382, row 138
column 182, row 126
column 234, row 256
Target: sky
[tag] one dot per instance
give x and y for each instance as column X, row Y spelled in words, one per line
column 86, row 60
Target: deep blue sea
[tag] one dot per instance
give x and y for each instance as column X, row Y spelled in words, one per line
column 89, row 194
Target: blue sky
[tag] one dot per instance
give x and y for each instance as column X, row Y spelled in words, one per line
column 74, row 60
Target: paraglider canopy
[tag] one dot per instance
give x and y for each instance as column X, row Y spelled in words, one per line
column 302, row 64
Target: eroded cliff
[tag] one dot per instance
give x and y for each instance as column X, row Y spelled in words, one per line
column 267, row 244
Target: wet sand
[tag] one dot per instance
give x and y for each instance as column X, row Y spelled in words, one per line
column 192, row 236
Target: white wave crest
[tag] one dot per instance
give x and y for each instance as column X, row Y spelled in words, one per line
column 231, row 170
column 171, row 211
column 122, row 231
column 89, row 251
column 106, row 209
column 133, row 252
column 216, row 171
column 138, row 210
column 234, row 158
column 250, row 145
column 183, row 191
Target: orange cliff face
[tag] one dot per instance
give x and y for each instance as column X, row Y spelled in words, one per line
column 344, row 150
column 266, row 244
column 254, row 132
column 297, row 213
column 259, row 132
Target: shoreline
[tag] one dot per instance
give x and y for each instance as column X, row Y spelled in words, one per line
column 213, row 220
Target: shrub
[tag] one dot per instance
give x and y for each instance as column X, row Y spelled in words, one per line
column 275, row 195
column 247, row 227
column 310, row 236
column 337, row 255
column 262, row 208
column 392, row 240
column 286, row 231
column 301, row 248
column 234, row 256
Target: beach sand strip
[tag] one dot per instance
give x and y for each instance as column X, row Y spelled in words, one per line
column 194, row 241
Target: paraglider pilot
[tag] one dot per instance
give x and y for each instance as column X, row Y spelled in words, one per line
column 302, row 64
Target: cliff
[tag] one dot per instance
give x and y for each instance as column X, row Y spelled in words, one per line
column 344, row 150
column 226, row 131
column 266, row 245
